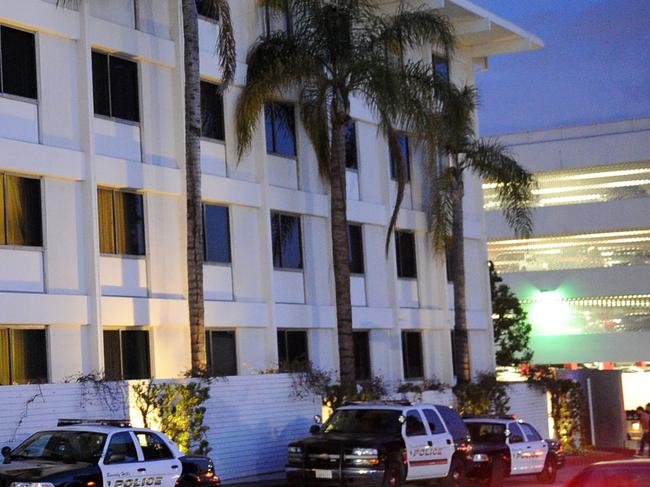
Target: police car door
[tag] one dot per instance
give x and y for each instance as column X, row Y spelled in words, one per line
column 159, row 461
column 443, row 446
column 536, row 446
column 120, row 462
column 419, row 452
column 520, row 461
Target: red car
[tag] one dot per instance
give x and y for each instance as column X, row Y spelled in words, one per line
column 622, row 473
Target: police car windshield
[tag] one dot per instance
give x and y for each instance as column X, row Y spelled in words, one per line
column 66, row 446
column 364, row 421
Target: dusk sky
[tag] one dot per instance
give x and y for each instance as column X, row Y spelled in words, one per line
column 595, row 65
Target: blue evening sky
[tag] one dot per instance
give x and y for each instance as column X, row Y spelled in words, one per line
column 594, row 67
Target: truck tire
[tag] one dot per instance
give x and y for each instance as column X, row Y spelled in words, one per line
column 497, row 473
column 548, row 475
column 457, row 476
column 394, row 476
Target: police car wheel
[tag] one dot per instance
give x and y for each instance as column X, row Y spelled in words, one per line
column 457, row 476
column 497, row 473
column 393, row 475
column 548, row 475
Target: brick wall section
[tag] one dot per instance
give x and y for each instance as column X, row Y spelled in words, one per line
column 531, row 405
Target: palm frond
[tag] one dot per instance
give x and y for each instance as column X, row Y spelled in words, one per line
column 440, row 208
column 314, row 116
column 495, row 164
column 394, row 148
column 74, row 4
column 459, row 106
column 226, row 41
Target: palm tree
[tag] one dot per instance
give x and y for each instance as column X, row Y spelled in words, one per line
column 462, row 151
column 219, row 10
column 330, row 52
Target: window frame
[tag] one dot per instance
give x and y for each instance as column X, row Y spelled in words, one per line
column 399, row 255
column 10, row 353
column 111, row 117
column 204, row 82
column 205, row 235
column 117, row 252
column 14, row 96
column 4, row 239
column 120, row 331
column 294, row 132
column 282, row 267
column 285, row 366
column 208, row 342
column 406, row 353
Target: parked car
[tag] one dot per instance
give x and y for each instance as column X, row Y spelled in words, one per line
column 505, row 446
column 106, row 453
column 383, row 444
column 623, row 473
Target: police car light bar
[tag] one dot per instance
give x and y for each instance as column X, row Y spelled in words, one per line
column 120, row 423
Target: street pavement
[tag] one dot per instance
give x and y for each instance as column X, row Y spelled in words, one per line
column 563, row 476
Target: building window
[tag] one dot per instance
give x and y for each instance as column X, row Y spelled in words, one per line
column 212, row 126
column 351, row 144
column 293, row 353
column 121, row 222
column 23, row 356
column 441, row 66
column 222, row 353
column 405, row 250
column 216, row 233
column 287, row 241
column 18, row 67
column 280, row 124
column 276, row 19
column 403, row 141
column 361, row 355
column 115, row 87
column 205, row 8
column 21, row 220
column 355, row 241
column 126, row 355
column 412, row 355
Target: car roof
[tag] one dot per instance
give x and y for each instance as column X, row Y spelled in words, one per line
column 493, row 420
column 98, row 428
column 389, row 406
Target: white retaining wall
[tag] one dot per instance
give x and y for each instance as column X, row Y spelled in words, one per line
column 531, row 405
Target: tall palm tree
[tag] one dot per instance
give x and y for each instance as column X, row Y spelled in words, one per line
column 331, row 52
column 219, row 10
column 488, row 158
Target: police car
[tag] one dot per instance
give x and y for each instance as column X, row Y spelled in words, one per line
column 102, row 453
column 505, row 446
column 383, row 444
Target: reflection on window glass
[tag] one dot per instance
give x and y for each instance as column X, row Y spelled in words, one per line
column 293, row 354
column 403, row 141
column 222, row 353
column 23, row 356
column 412, row 355
column 351, row 144
column 405, row 254
column 115, row 87
column 286, row 240
column 581, row 251
column 121, row 222
column 212, row 123
column 280, row 124
column 216, row 233
column 20, row 211
column 361, row 341
column 18, row 67
column 126, row 354
column 355, row 249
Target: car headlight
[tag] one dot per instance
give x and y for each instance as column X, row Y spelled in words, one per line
column 480, row 457
column 31, row 484
column 365, row 452
column 295, row 449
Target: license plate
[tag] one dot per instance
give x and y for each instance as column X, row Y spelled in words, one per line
column 323, row 474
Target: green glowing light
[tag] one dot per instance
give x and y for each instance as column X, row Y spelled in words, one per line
column 550, row 314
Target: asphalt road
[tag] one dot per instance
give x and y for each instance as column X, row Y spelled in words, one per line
column 563, row 476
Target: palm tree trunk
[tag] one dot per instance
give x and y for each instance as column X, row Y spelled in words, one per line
column 461, row 342
column 339, row 227
column 193, row 181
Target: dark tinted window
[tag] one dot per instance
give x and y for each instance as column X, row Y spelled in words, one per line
column 121, row 222
column 216, row 225
column 361, row 354
column 454, row 423
column 222, row 353
column 126, row 354
column 405, row 250
column 20, row 211
column 355, row 237
column 287, row 241
column 487, row 432
column 292, row 350
column 531, row 433
column 23, row 356
column 441, row 66
column 153, row 447
column 406, row 156
column 115, row 87
column 412, row 354
column 122, row 449
column 205, row 9
column 515, row 431
column 366, row 421
column 414, row 424
column 280, row 124
column 351, row 144
column 435, row 425
column 211, row 112
column 18, row 69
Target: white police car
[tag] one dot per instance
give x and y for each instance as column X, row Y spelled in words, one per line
column 102, row 453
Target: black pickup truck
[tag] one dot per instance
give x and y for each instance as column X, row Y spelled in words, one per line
column 102, row 453
column 383, row 444
column 505, row 446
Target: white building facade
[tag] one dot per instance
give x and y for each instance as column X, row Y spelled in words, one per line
column 584, row 274
column 92, row 246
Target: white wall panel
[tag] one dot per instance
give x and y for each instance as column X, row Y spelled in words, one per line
column 352, row 184
column 213, row 158
column 118, row 11
column 18, row 119
column 117, row 139
column 217, row 282
column 62, row 365
column 157, row 124
column 21, row 270
column 282, row 171
column 288, row 287
column 123, row 276
column 358, row 290
column 407, row 293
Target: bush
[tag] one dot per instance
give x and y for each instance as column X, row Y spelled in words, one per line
column 483, row 397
